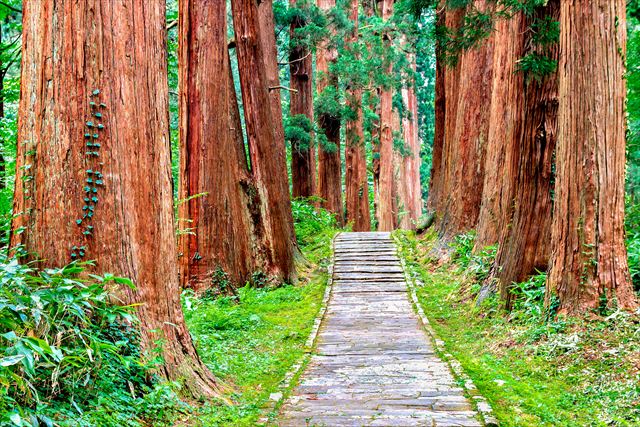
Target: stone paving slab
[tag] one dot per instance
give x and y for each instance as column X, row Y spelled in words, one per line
column 373, row 364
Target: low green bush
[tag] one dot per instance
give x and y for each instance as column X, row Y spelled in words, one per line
column 633, row 241
column 70, row 357
column 315, row 227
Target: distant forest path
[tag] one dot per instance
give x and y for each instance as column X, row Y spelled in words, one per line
column 374, row 365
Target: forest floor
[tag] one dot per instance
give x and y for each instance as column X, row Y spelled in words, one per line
column 535, row 369
column 251, row 340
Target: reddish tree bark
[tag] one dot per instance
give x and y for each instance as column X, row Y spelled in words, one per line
column 303, row 164
column 76, row 53
column 219, row 229
column 385, row 211
column 440, row 101
column 465, row 139
column 589, row 262
column 399, row 195
column 356, row 183
column 411, row 162
column 375, row 151
column 525, row 229
column 329, row 162
column 267, row 39
column 446, row 105
column 267, row 153
column 506, row 116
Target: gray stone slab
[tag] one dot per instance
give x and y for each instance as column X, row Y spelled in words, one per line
column 373, row 365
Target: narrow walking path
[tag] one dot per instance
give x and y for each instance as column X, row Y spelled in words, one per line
column 374, row 365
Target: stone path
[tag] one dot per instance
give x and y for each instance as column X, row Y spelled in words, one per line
column 374, row 365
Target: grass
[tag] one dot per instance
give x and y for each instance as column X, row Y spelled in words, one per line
column 533, row 370
column 251, row 340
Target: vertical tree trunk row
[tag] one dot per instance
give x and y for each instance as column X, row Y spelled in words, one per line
column 436, row 183
column 384, row 209
column 466, row 134
column 303, row 162
column 269, row 49
column 446, row 112
column 504, row 131
column 525, row 233
column 73, row 54
column 212, row 162
column 356, row 183
column 588, row 267
column 329, row 161
column 411, row 162
column 266, row 149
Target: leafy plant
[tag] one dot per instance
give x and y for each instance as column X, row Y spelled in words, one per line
column 633, row 241
column 68, row 355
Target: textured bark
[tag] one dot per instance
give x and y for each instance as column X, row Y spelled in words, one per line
column 267, row 152
column 506, row 115
column 525, row 234
column 267, row 40
column 303, row 164
column 385, row 212
column 466, row 132
column 589, row 264
column 440, row 101
column 69, row 51
column 219, row 229
column 410, row 168
column 356, row 183
column 375, row 151
column 446, row 105
column 329, row 162
column 399, row 189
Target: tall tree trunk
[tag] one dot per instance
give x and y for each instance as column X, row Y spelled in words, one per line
column 399, row 198
column 385, row 212
column 356, row 183
column 375, row 151
column 303, row 164
column 329, row 162
column 525, row 232
column 112, row 202
column 267, row 153
column 267, row 39
column 466, row 138
column 589, row 262
column 437, row 170
column 446, row 106
column 218, row 236
column 411, row 162
column 505, row 129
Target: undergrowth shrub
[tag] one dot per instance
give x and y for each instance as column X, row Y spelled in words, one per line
column 315, row 227
column 633, row 241
column 477, row 265
column 70, row 357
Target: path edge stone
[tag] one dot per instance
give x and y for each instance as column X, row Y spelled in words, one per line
column 483, row 407
column 277, row 398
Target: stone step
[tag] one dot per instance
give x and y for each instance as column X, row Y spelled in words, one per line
column 373, row 364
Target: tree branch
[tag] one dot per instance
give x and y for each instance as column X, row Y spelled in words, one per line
column 283, row 87
column 7, row 5
column 172, row 24
column 295, row 60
